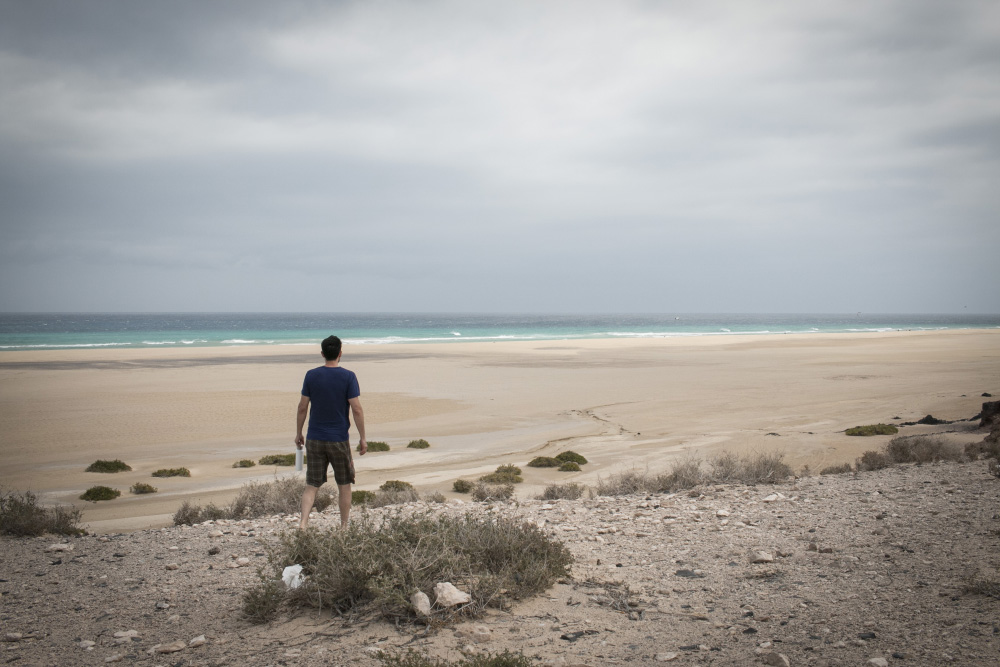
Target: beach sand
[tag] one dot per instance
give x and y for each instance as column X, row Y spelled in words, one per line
column 623, row 404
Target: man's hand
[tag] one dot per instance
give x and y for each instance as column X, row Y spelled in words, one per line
column 299, row 441
column 362, row 447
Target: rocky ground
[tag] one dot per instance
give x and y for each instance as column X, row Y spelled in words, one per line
column 853, row 570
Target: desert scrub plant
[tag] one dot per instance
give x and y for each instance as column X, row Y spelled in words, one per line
column 377, row 562
column 22, row 516
column 461, row 486
column 872, row 460
column 172, row 472
column 435, row 497
column 873, row 429
column 489, row 492
column 570, row 455
column 751, row 469
column 923, row 449
column 544, row 462
column 376, row 446
column 419, row 444
column 245, row 463
column 361, row 497
column 394, row 496
column 993, row 468
column 395, row 485
column 837, row 469
column 569, row 466
column 563, row 492
column 101, row 465
column 255, row 500
column 140, row 488
column 96, row 493
column 626, row 483
column 278, row 459
column 262, row 602
column 505, row 474
column 413, row 659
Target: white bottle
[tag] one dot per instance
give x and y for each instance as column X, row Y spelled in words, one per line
column 298, row 459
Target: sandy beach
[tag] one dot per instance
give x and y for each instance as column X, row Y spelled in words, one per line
column 621, row 403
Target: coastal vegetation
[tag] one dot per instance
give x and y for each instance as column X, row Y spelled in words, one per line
column 411, row 658
column 726, row 468
column 245, row 463
column 361, row 497
column 505, row 474
column 102, row 465
column 278, row 459
column 419, row 444
column 492, row 492
column 462, row 486
column 544, row 462
column 22, row 516
column 563, row 492
column 172, row 472
column 255, row 500
column 569, row 466
column 872, row 429
column 571, row 456
column 96, row 493
column 376, row 564
column 376, row 446
column 140, row 488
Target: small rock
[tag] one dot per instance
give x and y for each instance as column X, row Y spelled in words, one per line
column 776, row 659
column 216, row 533
column 826, row 550
column 173, row 566
column 162, row 605
column 878, row 662
column 198, row 641
column 666, row 657
column 62, row 546
column 812, row 547
column 87, row 645
column 446, row 595
column 293, row 653
column 721, row 513
column 421, row 603
column 480, row 634
column 242, row 561
column 214, row 551
column 117, row 657
column 173, row 618
column 13, row 637
column 125, row 636
column 762, row 557
column 172, row 647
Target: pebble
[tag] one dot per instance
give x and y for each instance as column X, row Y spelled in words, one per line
column 666, row 657
column 762, row 557
column 62, row 546
column 878, row 662
column 172, row 647
column 117, row 657
column 87, row 645
column 776, row 659
column 216, row 533
column 173, row 566
column 198, row 641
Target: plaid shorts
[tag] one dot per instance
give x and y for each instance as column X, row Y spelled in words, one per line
column 319, row 453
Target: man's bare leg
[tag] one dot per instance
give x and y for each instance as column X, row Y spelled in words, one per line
column 308, row 498
column 345, row 504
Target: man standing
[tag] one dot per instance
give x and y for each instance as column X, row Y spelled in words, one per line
column 332, row 390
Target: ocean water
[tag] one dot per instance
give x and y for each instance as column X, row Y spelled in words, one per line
column 147, row 330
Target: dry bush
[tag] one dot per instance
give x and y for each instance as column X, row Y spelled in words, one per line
column 462, row 486
column 505, row 474
column 569, row 466
column 837, row 469
column 413, row 659
column 256, row 499
column 563, row 492
column 994, row 468
column 140, row 488
column 435, row 497
column 872, row 460
column 988, row 448
column 923, row 449
column 627, row 483
column 395, row 485
column 490, row 492
column 22, row 516
column 362, row 497
column 752, row 469
column 686, row 474
column 375, row 565
column 394, row 496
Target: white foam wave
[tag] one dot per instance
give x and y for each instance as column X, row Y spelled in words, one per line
column 57, row 346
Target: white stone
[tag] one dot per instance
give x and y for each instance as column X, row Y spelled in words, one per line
column 666, row 657
column 776, row 660
column 62, row 546
column 446, row 595
column 87, row 645
column 198, row 641
column 762, row 557
column 216, row 533
column 722, row 513
column 480, row 634
column 173, row 566
column 242, row 561
column 878, row 662
column 172, row 647
column 117, row 657
column 421, row 603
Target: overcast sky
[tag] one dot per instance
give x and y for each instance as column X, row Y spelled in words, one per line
column 500, row 156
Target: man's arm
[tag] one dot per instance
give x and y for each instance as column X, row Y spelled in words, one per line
column 300, row 421
column 359, row 422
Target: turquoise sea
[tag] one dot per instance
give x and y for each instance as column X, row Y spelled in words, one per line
column 144, row 330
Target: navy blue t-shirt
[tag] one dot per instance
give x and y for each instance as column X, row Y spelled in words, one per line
column 329, row 389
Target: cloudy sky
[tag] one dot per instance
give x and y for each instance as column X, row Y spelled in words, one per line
column 506, row 156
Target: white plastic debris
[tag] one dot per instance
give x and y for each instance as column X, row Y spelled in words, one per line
column 292, row 576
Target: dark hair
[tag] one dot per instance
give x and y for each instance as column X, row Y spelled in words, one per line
column 331, row 348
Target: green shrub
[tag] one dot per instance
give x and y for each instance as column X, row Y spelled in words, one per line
column 362, row 497
column 22, row 516
column 245, row 463
column 262, row 602
column 96, row 493
column 462, row 486
column 172, row 472
column 923, row 449
column 377, row 562
column 489, row 492
column 376, row 446
column 563, row 491
column 505, row 474
column 873, row 429
column 872, row 460
column 572, row 456
column 101, row 465
column 395, row 485
column 278, row 459
column 569, row 466
column 837, row 470
column 544, row 462
column 140, row 488
column 419, row 444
